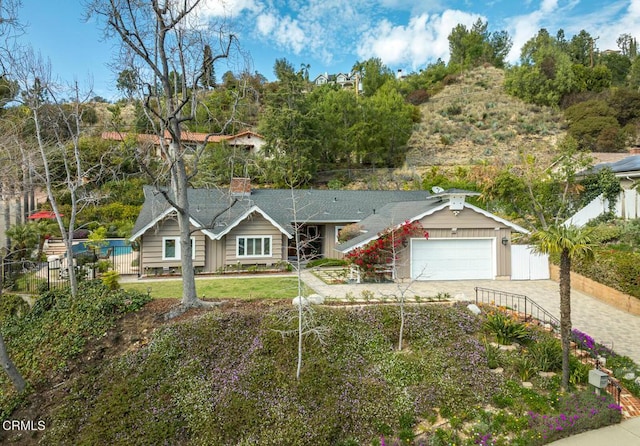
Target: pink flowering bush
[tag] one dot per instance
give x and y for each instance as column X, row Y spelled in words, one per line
column 386, row 248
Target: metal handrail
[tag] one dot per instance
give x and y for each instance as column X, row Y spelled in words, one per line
column 516, row 302
column 520, row 303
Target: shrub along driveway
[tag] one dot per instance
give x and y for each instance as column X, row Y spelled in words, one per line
column 606, row 324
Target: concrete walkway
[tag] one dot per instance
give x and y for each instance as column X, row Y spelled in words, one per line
column 626, row 433
column 604, row 323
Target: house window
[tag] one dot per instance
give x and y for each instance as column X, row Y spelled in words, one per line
column 338, row 229
column 253, row 246
column 171, row 248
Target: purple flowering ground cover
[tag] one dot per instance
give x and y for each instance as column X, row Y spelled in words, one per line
column 228, row 378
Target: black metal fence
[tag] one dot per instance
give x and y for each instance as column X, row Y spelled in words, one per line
column 613, row 387
column 523, row 305
column 27, row 276
column 528, row 309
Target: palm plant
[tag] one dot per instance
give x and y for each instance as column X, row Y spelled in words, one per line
column 24, row 239
column 569, row 242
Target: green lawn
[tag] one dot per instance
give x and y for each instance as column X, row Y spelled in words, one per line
column 227, row 288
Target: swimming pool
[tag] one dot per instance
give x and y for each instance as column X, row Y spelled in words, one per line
column 118, row 246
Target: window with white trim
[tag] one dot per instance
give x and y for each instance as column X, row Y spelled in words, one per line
column 253, row 246
column 171, row 248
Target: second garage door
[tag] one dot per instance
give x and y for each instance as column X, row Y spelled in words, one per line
column 453, row 259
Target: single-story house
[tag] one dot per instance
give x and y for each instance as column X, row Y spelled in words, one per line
column 247, row 140
column 241, row 226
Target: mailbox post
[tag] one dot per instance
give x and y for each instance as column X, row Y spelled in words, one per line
column 598, row 379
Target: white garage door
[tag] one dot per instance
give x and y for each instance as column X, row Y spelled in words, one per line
column 452, row 259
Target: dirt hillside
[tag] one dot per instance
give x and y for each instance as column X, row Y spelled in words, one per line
column 474, row 121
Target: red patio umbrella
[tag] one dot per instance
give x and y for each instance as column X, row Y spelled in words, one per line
column 43, row 215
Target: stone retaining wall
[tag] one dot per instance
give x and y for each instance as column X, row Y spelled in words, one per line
column 601, row 292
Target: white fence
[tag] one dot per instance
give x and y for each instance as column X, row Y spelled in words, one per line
column 627, row 207
column 527, row 264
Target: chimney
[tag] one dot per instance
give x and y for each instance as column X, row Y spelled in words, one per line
column 240, row 187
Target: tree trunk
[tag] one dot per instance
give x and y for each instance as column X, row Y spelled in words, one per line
column 565, row 314
column 15, row 376
column 300, row 298
column 401, row 322
column 6, row 203
column 179, row 185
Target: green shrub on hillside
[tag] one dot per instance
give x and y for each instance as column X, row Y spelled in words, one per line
column 56, row 329
column 229, row 378
column 617, row 269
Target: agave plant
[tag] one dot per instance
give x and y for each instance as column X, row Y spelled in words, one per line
column 506, row 329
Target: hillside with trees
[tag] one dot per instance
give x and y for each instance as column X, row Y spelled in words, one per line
column 102, row 366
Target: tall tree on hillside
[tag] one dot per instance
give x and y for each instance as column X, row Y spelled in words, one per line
column 388, row 127
column 208, row 71
column 373, row 75
column 289, row 127
column 337, row 112
column 475, row 46
column 127, row 82
column 569, row 242
column 582, row 49
column 628, row 45
column 167, row 39
column 545, row 73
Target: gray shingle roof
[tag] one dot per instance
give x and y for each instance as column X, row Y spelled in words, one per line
column 628, row 164
column 216, row 210
column 390, row 215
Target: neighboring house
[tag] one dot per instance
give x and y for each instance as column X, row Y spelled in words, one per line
column 344, row 80
column 250, row 141
column 627, row 207
column 242, row 226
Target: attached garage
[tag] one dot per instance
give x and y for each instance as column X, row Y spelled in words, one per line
column 453, row 259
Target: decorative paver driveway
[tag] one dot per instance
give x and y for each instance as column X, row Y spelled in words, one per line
column 606, row 324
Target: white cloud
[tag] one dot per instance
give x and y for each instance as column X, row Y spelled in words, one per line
column 285, row 31
column 227, row 8
column 524, row 27
column 548, row 6
column 610, row 22
column 413, row 5
column 605, row 23
column 320, row 28
column 422, row 40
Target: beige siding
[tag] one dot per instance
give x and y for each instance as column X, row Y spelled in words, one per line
column 254, row 226
column 467, row 218
column 467, row 224
column 151, row 252
column 215, row 250
column 285, row 244
column 329, row 241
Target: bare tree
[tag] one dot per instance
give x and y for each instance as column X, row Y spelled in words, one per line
column 306, row 321
column 8, row 366
column 8, row 26
column 54, row 127
column 392, row 247
column 163, row 43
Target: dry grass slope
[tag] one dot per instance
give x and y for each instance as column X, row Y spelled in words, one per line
column 474, row 121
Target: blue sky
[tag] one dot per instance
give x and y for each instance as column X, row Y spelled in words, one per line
column 330, row 35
